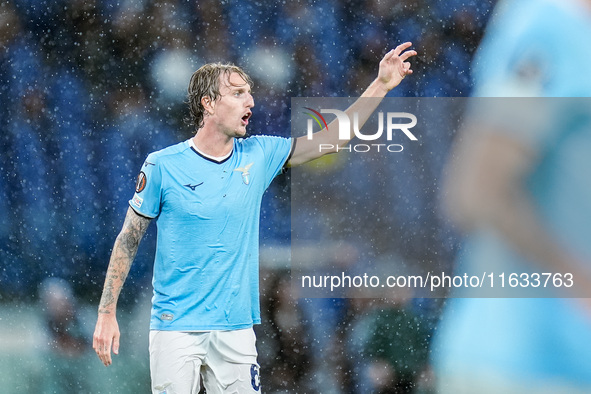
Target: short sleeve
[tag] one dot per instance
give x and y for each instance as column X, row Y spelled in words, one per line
column 146, row 200
column 514, row 68
column 277, row 151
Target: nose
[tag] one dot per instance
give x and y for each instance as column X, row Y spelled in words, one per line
column 249, row 101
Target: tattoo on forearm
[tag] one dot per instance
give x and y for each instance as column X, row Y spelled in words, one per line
column 124, row 251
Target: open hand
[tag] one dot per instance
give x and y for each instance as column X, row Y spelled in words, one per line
column 394, row 66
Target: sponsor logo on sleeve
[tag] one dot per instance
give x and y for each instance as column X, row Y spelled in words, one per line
column 138, row 201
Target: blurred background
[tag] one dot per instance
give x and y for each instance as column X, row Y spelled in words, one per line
column 90, row 87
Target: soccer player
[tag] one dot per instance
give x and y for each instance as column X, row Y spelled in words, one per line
column 205, row 195
column 516, row 186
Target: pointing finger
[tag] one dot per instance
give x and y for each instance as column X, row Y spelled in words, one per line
column 389, row 54
column 398, row 50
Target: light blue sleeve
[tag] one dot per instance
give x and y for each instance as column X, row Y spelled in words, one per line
column 513, row 57
column 515, row 65
column 148, row 189
column 277, row 151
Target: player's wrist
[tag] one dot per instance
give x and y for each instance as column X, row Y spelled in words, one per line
column 107, row 312
column 378, row 88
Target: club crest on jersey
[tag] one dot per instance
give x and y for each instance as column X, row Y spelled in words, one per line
column 245, row 173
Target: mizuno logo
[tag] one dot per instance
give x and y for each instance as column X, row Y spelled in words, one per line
column 245, row 174
column 192, row 187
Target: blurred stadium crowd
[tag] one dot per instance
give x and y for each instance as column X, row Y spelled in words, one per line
column 90, row 87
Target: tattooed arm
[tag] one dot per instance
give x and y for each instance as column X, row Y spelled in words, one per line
column 106, row 333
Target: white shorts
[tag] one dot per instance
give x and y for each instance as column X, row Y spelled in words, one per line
column 226, row 360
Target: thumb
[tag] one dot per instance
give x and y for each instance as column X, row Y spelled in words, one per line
column 116, row 345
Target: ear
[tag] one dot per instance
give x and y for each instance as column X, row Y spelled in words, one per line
column 208, row 104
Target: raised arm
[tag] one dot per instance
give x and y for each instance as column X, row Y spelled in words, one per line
column 106, row 333
column 392, row 70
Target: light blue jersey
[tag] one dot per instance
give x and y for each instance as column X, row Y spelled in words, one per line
column 206, row 266
column 532, row 48
column 535, row 48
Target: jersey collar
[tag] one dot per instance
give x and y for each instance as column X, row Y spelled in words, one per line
column 215, row 159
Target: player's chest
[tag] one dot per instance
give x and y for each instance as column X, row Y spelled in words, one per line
column 230, row 185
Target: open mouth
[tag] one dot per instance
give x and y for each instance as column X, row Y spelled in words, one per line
column 246, row 117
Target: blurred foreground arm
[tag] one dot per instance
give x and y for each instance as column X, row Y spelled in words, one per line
column 393, row 69
column 485, row 187
column 106, row 333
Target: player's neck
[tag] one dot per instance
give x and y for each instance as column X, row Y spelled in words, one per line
column 213, row 143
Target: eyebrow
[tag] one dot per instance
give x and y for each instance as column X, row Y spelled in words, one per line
column 239, row 88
